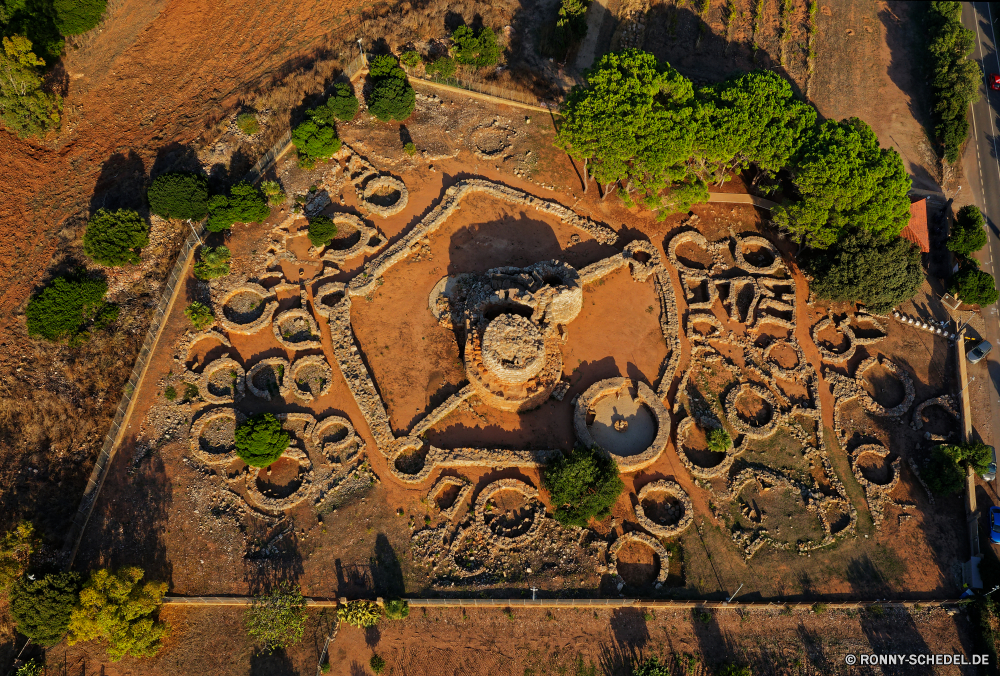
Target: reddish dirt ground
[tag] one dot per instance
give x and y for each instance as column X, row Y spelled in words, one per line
column 487, row 642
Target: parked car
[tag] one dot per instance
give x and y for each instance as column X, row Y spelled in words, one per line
column 995, row 82
column 995, row 525
column 991, row 473
column 977, row 353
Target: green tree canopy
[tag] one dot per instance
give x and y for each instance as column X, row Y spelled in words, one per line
column 343, row 104
column 475, row 49
column 955, row 78
column 24, row 107
column 35, row 20
column 571, row 26
column 315, row 141
column 74, row 17
column 321, row 230
column 967, row 234
column 42, row 607
column 260, row 440
column 213, row 262
column 277, row 620
column 844, row 179
column 973, row 286
column 391, row 97
column 443, row 66
column 115, row 237
column 179, row 195
column 244, row 204
column 584, row 485
column 865, row 268
column 120, row 609
column 67, row 306
column 751, row 119
column 946, row 473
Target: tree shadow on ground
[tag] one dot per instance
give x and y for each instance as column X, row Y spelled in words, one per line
column 121, row 184
column 272, row 664
column 631, row 635
column 387, row 574
column 175, row 157
column 263, row 573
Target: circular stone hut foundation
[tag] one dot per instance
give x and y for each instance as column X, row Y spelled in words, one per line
column 601, row 410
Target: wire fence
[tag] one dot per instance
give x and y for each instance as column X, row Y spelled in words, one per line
column 74, row 536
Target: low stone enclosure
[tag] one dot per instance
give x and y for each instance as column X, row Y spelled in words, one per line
column 738, row 316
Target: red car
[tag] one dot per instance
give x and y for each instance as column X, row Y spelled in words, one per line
column 995, row 82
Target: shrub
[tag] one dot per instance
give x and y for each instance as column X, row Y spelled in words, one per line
column 247, row 123
column 199, row 314
column 115, row 237
column 321, row 230
column 24, row 106
column 571, row 26
column 968, row 234
column 315, row 141
column 410, row 58
column 343, row 104
column 42, row 608
column 476, row 50
column 272, row 190
column 651, row 667
column 179, row 195
column 213, row 263
column 243, row 205
column 410, row 148
column 119, row 609
column 190, row 392
column 944, row 474
column 584, row 485
column 443, row 66
column 16, row 548
column 819, row 608
column 377, row 663
column 360, row 614
column 719, row 440
column 170, row 393
column 391, row 97
column 734, row 670
column 74, row 17
column 30, row 668
column 973, row 286
column 863, row 267
column 277, row 620
column 260, row 440
column 67, row 306
column 397, row 609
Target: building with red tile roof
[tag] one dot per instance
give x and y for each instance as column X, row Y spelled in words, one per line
column 916, row 230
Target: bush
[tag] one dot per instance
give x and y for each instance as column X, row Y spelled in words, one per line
column 74, row 17
column 397, row 609
column 321, row 230
column 277, row 620
column 973, row 286
column 314, row 141
column 410, row 58
column 272, row 190
column 475, row 50
column 719, row 440
column 377, row 663
column 244, row 205
column 170, row 393
column 30, row 668
column 443, row 66
column 247, row 123
column 734, row 670
column 651, row 667
column 213, row 263
column 67, row 306
column 571, row 26
column 199, row 314
column 391, row 97
column 42, row 608
column 865, row 268
column 260, row 440
column 410, row 148
column 584, row 485
column 24, row 106
column 115, row 237
column 343, row 104
column 121, row 610
column 16, row 548
column 179, row 195
column 968, row 234
column 944, row 474
column 361, row 614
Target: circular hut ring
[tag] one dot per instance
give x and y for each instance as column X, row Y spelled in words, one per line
column 312, row 377
column 277, row 504
column 279, row 369
column 643, row 539
column 498, row 535
column 385, row 196
column 238, row 312
column 203, row 431
column 296, row 329
column 673, row 489
column 741, row 425
column 224, row 390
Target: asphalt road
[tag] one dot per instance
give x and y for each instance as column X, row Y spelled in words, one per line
column 982, row 171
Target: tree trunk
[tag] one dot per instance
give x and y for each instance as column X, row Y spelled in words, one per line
column 607, row 190
column 586, row 177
